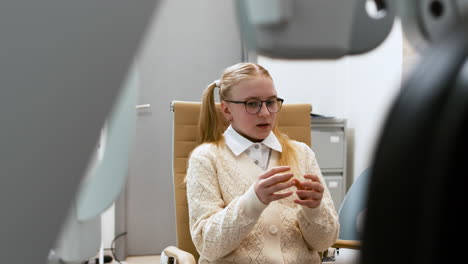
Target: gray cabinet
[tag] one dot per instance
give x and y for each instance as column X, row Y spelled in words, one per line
column 329, row 145
column 335, row 186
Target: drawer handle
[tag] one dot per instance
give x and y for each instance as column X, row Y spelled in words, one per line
column 143, row 106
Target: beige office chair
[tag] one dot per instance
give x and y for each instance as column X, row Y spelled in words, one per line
column 293, row 119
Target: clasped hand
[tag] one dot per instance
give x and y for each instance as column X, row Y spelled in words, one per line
column 270, row 184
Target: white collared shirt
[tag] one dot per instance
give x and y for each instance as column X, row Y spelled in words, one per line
column 259, row 152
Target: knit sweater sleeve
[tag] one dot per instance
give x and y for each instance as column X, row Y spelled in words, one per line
column 217, row 228
column 319, row 226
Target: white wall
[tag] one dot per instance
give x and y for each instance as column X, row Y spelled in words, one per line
column 107, row 227
column 358, row 88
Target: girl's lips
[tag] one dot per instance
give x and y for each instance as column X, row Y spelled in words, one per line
column 263, row 126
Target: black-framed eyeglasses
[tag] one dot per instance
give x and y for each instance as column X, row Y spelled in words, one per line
column 253, row 106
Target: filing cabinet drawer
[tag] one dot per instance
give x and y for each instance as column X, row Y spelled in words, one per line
column 336, row 188
column 329, row 146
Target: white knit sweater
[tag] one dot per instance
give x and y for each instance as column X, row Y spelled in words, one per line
column 229, row 224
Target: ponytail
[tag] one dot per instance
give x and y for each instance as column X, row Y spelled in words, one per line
column 288, row 156
column 210, row 123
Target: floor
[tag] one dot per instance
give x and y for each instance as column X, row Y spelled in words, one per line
column 346, row 256
column 143, row 260
column 150, row 259
column 140, row 260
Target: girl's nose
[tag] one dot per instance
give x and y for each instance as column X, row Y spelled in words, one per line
column 263, row 110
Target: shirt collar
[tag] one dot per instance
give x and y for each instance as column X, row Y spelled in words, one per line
column 238, row 144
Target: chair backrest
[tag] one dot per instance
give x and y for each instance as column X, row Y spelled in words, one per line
column 293, row 120
column 353, row 208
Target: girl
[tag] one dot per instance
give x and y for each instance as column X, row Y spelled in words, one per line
column 241, row 181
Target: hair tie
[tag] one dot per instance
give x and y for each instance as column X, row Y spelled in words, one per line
column 217, row 83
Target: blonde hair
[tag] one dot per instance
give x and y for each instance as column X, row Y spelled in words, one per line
column 211, row 122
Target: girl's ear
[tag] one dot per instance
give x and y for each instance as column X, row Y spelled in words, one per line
column 226, row 111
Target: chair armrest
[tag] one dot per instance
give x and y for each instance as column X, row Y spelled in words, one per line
column 351, row 244
column 181, row 257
